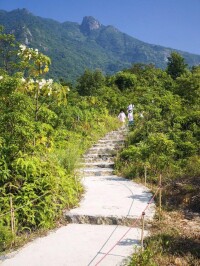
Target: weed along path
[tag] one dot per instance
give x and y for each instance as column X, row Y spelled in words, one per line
column 106, row 227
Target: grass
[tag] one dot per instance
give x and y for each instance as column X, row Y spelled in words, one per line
column 174, row 240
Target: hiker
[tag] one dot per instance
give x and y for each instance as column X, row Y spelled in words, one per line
column 130, row 107
column 130, row 118
column 122, row 117
column 130, row 114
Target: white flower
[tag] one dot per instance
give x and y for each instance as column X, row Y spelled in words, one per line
column 29, row 56
column 22, row 47
column 36, row 50
column 1, row 77
column 23, row 80
column 49, row 82
column 42, row 83
column 31, row 81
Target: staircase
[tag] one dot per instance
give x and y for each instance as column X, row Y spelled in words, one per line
column 109, row 199
column 102, row 230
column 99, row 159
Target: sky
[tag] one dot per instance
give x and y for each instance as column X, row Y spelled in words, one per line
column 170, row 23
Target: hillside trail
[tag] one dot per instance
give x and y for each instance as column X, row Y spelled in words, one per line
column 105, row 229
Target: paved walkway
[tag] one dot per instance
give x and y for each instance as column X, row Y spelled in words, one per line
column 101, row 230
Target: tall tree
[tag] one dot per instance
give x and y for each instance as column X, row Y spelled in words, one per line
column 176, row 65
column 8, row 51
column 90, row 83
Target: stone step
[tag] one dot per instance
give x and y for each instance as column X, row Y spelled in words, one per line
column 98, row 160
column 102, row 156
column 100, row 148
column 108, row 145
column 104, row 150
column 112, row 140
column 101, row 151
column 101, row 164
column 112, row 144
column 117, row 132
column 111, row 199
column 96, row 171
column 115, row 137
column 114, row 132
column 106, row 220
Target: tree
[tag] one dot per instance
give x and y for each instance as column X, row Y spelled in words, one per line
column 176, row 65
column 90, row 83
column 33, row 63
column 8, row 51
column 188, row 87
column 125, row 80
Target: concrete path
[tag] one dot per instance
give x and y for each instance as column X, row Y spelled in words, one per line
column 105, row 229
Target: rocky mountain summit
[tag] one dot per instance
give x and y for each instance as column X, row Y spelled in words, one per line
column 89, row 23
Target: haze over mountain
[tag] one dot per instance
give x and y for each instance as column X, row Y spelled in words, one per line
column 74, row 47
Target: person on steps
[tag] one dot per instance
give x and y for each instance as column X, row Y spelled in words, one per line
column 122, row 117
column 130, row 118
column 130, row 114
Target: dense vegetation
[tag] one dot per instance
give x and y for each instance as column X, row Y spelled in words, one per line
column 73, row 47
column 165, row 139
column 45, row 126
column 44, row 129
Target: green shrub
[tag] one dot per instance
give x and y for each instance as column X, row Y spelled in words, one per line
column 143, row 258
column 6, row 237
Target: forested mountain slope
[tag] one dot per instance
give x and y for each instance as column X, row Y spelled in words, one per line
column 73, row 47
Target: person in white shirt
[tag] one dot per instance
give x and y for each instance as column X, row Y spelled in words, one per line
column 122, row 117
column 130, row 118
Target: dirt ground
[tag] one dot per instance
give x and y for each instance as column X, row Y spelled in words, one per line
column 180, row 234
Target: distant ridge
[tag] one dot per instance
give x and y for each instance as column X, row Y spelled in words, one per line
column 73, row 47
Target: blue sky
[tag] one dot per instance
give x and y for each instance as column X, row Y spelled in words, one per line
column 170, row 23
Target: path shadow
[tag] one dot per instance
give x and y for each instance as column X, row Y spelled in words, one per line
column 115, row 178
column 144, row 197
column 128, row 242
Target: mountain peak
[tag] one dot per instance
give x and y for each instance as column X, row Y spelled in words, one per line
column 23, row 11
column 89, row 23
